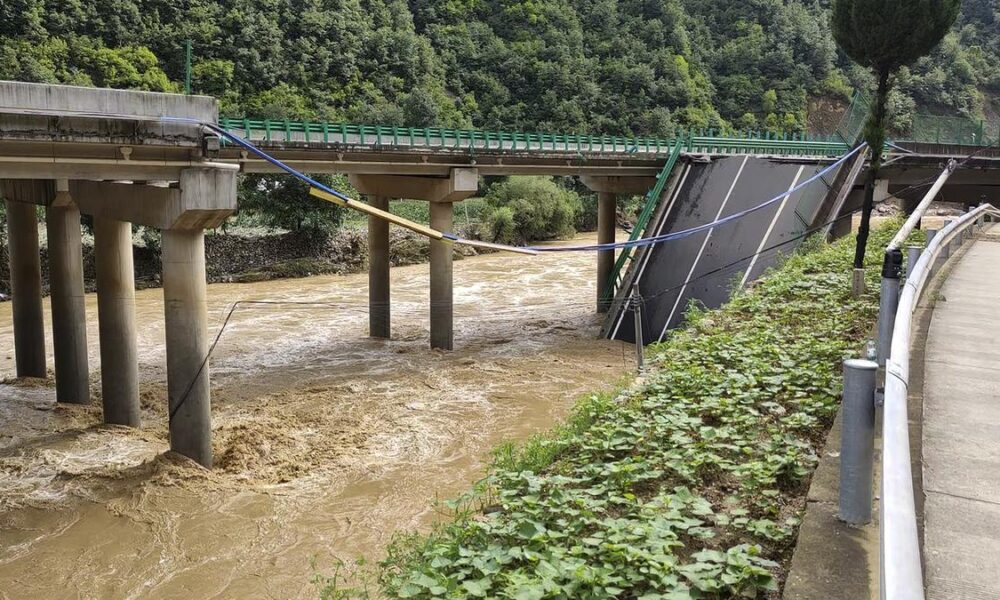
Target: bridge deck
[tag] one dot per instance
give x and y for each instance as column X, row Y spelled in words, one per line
column 961, row 430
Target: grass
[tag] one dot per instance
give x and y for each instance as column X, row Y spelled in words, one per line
column 690, row 484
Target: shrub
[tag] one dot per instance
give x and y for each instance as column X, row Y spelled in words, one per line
column 524, row 209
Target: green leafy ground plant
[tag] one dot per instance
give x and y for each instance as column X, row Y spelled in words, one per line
column 689, row 484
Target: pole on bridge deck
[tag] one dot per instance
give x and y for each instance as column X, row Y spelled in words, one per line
column 187, row 67
column 637, row 310
column 857, row 441
column 892, row 269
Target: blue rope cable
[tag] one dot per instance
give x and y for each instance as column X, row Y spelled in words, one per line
column 584, row 248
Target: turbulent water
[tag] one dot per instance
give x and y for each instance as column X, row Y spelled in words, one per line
column 326, row 442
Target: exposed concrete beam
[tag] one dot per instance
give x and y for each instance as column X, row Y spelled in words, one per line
column 459, row 185
column 29, row 109
column 618, row 184
column 205, row 199
column 28, row 191
column 21, row 168
column 970, row 194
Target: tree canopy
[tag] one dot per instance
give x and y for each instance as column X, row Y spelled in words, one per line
column 621, row 67
column 885, row 35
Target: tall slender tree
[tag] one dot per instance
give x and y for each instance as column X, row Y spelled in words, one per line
column 884, row 35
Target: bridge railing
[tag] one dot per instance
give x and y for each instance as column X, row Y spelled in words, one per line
column 279, row 132
column 901, row 576
column 952, row 130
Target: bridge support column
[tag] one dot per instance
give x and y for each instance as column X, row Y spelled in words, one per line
column 116, row 319
column 26, row 288
column 185, row 312
column 69, row 314
column 442, row 332
column 608, row 189
column 378, row 272
column 841, row 228
column 606, row 217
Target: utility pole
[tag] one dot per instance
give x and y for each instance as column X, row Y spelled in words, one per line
column 187, row 67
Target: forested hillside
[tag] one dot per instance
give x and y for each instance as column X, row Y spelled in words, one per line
column 600, row 66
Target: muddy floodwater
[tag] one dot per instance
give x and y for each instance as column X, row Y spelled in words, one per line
column 326, row 442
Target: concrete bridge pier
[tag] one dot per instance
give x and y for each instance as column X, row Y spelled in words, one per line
column 378, row 272
column 442, row 310
column 607, row 203
column 116, row 321
column 205, row 197
column 69, row 315
column 26, row 273
column 186, row 318
column 608, row 189
column 442, row 193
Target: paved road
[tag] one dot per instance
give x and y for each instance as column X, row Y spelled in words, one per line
column 961, row 430
column 706, row 266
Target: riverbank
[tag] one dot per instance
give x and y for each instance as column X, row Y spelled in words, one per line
column 244, row 258
column 690, row 483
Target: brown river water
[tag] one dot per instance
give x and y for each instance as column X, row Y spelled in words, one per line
column 326, row 443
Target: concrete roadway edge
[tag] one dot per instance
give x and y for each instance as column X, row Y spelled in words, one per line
column 833, row 560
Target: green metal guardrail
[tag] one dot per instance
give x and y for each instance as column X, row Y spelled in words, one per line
column 709, row 141
column 940, row 129
column 922, row 129
column 652, row 199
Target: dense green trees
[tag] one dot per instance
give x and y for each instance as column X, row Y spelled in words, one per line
column 601, row 66
column 621, row 67
column 523, row 209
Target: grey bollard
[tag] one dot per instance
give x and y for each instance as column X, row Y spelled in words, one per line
column 857, row 441
column 892, row 268
column 912, row 256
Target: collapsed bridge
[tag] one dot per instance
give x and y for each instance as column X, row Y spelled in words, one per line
column 168, row 162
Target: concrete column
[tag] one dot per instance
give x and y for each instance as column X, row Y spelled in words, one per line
column 881, row 190
column 183, row 256
column 69, row 314
column 26, row 289
column 606, row 217
column 116, row 317
column 442, row 334
column 841, row 228
column 378, row 271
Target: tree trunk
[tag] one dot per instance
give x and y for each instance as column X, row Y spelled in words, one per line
column 875, row 135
